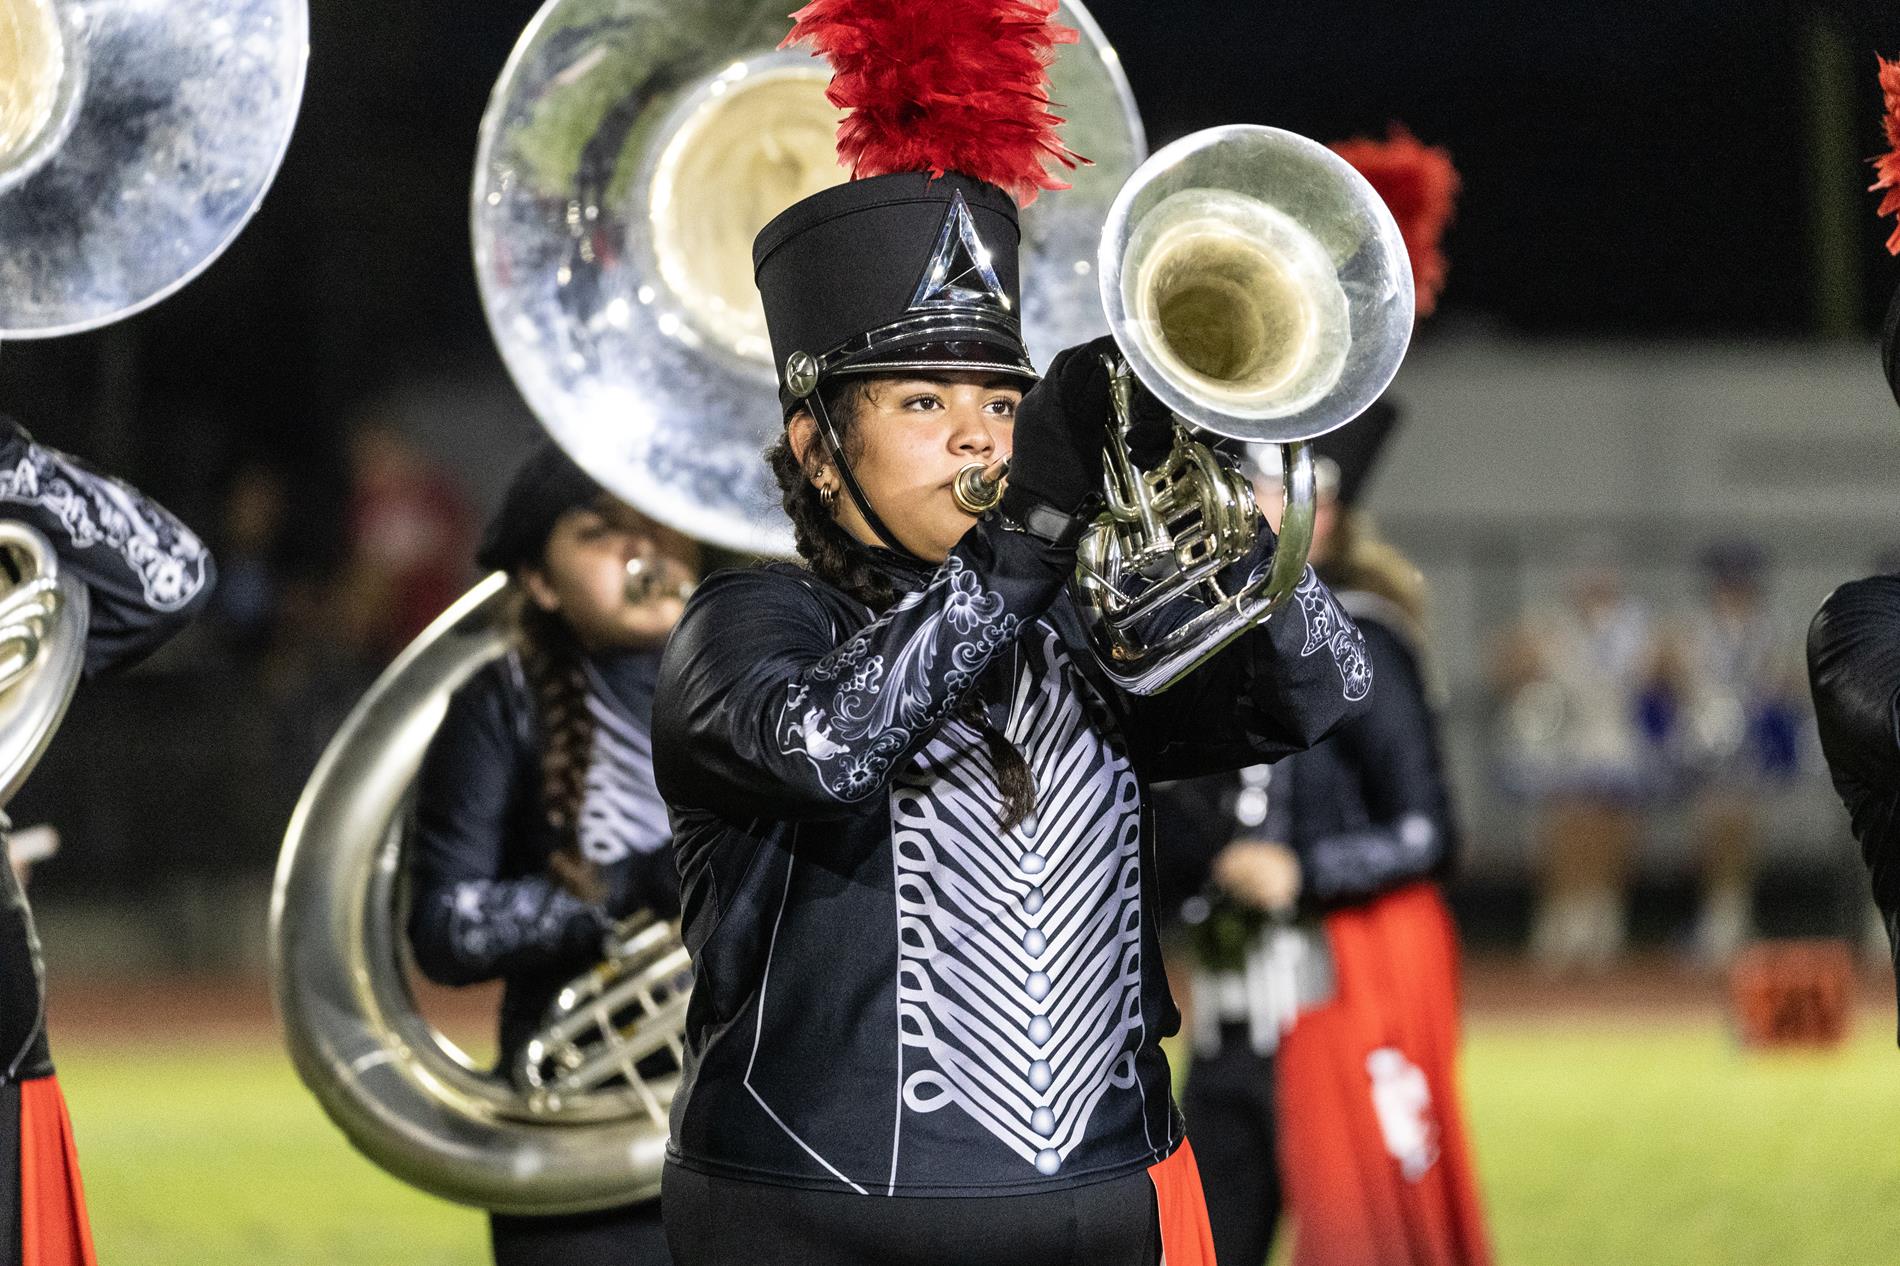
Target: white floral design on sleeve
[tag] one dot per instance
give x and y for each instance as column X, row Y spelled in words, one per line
column 854, row 712
column 169, row 560
column 1327, row 626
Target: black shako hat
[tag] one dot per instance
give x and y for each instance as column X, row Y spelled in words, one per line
column 911, row 265
column 545, row 486
column 888, row 273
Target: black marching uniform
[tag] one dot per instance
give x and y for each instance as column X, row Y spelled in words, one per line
column 892, row 996
column 916, row 1034
column 1357, row 834
column 1854, row 668
column 146, row 576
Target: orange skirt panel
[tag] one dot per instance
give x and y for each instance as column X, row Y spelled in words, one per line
column 1376, row 1167
column 1186, row 1237
column 54, row 1230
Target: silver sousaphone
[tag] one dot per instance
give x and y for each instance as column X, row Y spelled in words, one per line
column 136, row 139
column 630, row 153
column 577, row 1126
column 629, row 156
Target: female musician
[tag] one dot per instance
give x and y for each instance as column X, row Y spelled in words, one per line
column 146, row 575
column 537, row 823
column 912, row 833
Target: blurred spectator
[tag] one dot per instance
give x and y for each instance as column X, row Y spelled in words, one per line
column 1579, row 679
column 244, row 608
column 410, row 534
column 327, row 654
column 1735, row 676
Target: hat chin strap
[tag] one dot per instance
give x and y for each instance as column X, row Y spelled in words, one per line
column 835, row 445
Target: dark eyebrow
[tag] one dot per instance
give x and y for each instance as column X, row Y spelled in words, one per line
column 911, row 386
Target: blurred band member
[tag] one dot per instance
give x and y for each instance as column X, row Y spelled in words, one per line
column 1323, row 919
column 1854, row 643
column 1376, row 1166
column 1362, row 993
column 146, row 575
column 913, row 827
column 537, row 821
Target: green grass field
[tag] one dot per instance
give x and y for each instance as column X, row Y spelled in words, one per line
column 1633, row 1145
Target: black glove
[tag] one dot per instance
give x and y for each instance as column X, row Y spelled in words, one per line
column 1062, row 427
column 1151, row 428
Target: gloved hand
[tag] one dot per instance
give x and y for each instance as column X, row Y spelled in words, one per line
column 1062, row 427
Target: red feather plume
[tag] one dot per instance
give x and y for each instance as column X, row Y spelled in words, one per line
column 943, row 85
column 1420, row 185
column 1887, row 166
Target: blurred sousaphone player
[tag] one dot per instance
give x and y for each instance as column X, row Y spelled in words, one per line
column 537, row 825
column 135, row 141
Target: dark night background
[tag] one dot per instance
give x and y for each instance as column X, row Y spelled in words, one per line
column 1652, row 170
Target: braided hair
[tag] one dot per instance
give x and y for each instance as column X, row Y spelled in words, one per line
column 551, row 659
column 836, row 557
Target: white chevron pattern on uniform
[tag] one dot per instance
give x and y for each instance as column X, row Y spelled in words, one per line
column 621, row 809
column 1019, row 977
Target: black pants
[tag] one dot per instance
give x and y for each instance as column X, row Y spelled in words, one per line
column 723, row 1222
column 628, row 1236
column 1229, row 1109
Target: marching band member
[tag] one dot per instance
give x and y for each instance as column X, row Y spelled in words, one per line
column 537, row 822
column 1375, row 1166
column 146, row 575
column 918, row 874
column 1322, row 1074
column 1324, row 1082
column 1854, row 643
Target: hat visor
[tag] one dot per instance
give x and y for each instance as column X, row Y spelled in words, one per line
column 967, row 352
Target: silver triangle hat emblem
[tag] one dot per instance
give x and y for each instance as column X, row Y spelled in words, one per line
column 962, row 271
